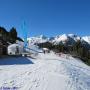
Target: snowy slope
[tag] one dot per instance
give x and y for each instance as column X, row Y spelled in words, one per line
column 33, row 49
column 37, row 39
column 87, row 39
column 46, row 72
column 71, row 38
column 57, row 39
column 74, row 37
column 12, row 48
column 60, row 38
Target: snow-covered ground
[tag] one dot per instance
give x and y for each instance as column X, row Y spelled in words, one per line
column 45, row 72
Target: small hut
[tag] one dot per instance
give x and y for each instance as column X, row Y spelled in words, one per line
column 15, row 49
column 46, row 50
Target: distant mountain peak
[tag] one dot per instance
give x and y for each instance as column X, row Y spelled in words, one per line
column 87, row 39
column 70, row 38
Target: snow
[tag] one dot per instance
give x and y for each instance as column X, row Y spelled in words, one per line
column 33, row 49
column 87, row 39
column 74, row 37
column 57, row 39
column 37, row 39
column 45, row 49
column 61, row 38
column 20, row 43
column 46, row 72
column 66, row 38
column 12, row 48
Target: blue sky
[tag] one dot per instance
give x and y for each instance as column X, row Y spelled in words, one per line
column 48, row 17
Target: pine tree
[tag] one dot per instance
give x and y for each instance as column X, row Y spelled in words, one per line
column 13, row 35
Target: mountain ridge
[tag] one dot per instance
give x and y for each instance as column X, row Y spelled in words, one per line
column 62, row 38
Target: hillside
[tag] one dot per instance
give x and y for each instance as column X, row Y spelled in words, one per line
column 46, row 72
column 59, row 38
column 67, row 43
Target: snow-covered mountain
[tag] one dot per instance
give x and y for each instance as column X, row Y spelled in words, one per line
column 64, row 38
column 37, row 39
column 87, row 39
column 41, row 71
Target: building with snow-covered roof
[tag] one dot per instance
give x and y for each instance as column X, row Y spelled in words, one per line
column 15, row 49
column 46, row 50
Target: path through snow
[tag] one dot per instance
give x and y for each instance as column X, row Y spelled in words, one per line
column 47, row 72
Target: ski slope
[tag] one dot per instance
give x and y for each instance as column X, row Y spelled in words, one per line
column 45, row 72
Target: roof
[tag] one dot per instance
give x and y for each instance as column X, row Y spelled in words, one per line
column 14, row 45
column 45, row 49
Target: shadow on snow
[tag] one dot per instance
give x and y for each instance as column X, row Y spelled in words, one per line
column 15, row 60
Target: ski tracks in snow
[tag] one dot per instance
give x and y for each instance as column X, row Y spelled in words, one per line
column 49, row 72
column 79, row 77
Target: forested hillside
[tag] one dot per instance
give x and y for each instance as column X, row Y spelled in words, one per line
column 9, row 36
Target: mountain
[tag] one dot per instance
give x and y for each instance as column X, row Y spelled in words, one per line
column 37, row 39
column 69, row 39
column 66, row 38
column 87, row 39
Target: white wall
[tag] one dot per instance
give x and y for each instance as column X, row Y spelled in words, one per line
column 12, row 49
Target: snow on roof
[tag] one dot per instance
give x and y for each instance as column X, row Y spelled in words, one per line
column 13, row 45
column 45, row 49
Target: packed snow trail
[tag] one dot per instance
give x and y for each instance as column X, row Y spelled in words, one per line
column 46, row 72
